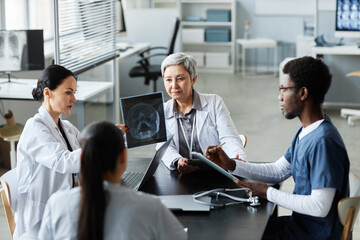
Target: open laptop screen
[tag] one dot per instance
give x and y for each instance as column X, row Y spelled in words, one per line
column 145, row 118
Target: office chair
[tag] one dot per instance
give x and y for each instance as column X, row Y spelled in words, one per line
column 348, row 209
column 153, row 71
column 9, row 197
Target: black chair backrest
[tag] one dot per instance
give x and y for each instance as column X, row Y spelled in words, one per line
column 173, row 38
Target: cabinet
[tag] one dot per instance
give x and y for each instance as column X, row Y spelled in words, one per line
column 211, row 42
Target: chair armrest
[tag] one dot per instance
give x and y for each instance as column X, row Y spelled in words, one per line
column 152, row 48
column 158, row 47
column 146, row 59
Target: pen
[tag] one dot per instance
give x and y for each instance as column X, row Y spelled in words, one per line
column 219, row 146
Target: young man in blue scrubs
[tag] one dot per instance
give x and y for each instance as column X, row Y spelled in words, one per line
column 317, row 160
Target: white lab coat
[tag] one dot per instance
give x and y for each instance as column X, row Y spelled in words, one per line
column 45, row 165
column 129, row 216
column 213, row 126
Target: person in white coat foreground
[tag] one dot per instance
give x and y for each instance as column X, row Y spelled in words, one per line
column 101, row 208
column 48, row 150
column 194, row 120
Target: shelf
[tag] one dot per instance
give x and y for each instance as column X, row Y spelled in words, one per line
column 196, row 31
column 206, row 24
column 213, row 44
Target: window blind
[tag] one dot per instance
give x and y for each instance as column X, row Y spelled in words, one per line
column 85, row 33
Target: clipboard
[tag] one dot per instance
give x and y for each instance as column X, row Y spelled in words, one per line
column 213, row 165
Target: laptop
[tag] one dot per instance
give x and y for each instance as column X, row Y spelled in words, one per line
column 135, row 180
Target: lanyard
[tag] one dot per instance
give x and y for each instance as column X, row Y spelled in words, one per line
column 192, row 135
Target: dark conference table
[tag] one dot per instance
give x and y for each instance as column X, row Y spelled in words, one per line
column 239, row 221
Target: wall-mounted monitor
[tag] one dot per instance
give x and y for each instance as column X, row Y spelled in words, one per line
column 347, row 19
column 120, row 19
column 21, row 50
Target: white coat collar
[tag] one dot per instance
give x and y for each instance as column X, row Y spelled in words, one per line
column 169, row 109
column 46, row 115
column 201, row 116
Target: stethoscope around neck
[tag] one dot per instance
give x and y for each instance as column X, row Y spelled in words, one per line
column 192, row 135
column 222, row 192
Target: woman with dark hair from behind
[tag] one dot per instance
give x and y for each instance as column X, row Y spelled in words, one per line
column 48, row 150
column 101, row 208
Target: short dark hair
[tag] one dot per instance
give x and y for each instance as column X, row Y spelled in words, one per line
column 310, row 73
column 50, row 78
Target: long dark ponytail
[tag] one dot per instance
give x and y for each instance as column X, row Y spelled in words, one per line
column 101, row 145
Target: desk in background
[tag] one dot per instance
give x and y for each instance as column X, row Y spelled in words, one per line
column 256, row 43
column 338, row 50
column 351, row 114
column 238, row 221
column 132, row 49
column 21, row 89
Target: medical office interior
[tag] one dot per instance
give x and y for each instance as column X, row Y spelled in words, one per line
column 239, row 58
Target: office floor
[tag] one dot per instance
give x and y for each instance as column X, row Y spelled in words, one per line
column 255, row 110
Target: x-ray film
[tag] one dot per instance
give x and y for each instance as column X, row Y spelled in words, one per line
column 12, row 45
column 145, row 118
column 21, row 50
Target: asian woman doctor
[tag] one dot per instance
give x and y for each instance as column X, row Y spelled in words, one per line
column 195, row 120
column 48, row 150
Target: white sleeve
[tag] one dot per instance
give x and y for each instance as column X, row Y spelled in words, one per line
column 226, row 130
column 317, row 204
column 265, row 172
column 39, row 143
column 171, row 154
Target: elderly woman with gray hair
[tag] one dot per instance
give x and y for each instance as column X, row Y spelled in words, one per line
column 194, row 120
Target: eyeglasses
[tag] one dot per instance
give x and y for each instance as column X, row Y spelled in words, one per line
column 283, row 89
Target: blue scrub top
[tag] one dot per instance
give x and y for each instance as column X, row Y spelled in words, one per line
column 319, row 160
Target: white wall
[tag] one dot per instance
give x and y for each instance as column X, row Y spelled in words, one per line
column 155, row 25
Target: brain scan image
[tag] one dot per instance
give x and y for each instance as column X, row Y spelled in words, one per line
column 143, row 121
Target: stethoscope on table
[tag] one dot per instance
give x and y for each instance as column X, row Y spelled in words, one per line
column 223, row 192
column 254, row 201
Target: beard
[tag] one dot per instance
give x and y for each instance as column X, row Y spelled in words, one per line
column 296, row 110
column 290, row 115
column 293, row 114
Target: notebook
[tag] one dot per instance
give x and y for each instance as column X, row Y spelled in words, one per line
column 213, row 165
column 135, row 180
